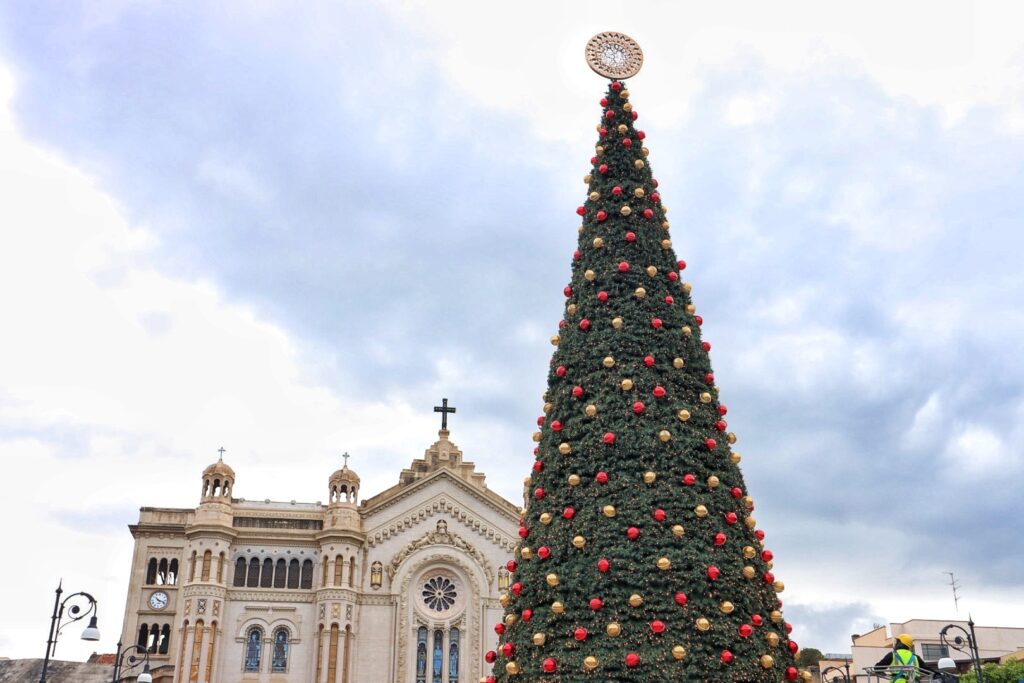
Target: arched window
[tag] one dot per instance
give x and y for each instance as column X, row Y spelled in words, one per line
column 220, row 568
column 253, row 649
column 192, row 568
column 332, row 655
column 143, row 635
column 165, row 639
column 161, row 574
column 280, row 574
column 352, row 571
column 172, row 573
column 323, row 579
column 453, row 655
column 293, row 574
column 319, row 653
column 339, row 565
column 151, row 571
column 421, row 655
column 253, row 579
column 211, row 653
column 279, row 658
column 207, row 559
column 154, row 638
column 239, row 572
column 267, row 577
column 437, row 659
column 307, row 574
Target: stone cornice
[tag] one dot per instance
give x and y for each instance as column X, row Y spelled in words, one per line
column 258, row 596
column 443, row 504
column 400, row 492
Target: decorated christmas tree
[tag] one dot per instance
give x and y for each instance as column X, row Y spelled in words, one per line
column 640, row 559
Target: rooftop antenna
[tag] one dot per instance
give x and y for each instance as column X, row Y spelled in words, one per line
column 955, row 585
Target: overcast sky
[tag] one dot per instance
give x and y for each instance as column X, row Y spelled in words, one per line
column 290, row 232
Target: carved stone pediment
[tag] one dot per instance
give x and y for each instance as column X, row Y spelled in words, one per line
column 440, row 536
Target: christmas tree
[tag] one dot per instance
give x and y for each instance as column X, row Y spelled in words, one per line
column 640, row 559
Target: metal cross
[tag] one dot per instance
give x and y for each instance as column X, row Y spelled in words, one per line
column 444, row 410
column 345, row 456
column 221, row 451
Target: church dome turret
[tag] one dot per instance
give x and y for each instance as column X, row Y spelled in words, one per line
column 344, row 484
column 218, row 480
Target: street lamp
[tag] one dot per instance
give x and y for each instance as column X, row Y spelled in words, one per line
column 81, row 606
column 133, row 661
column 845, row 675
column 968, row 639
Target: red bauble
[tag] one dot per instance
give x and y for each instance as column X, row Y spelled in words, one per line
column 730, row 518
column 499, row 628
column 709, row 378
column 681, row 598
column 689, row 479
column 649, row 361
column 711, row 444
column 576, row 255
column 603, row 169
column 569, row 513
column 745, row 630
column 659, row 392
column 577, row 392
column 601, row 477
column 792, row 673
column 658, row 626
column 722, row 410
column 517, row 588
column 543, row 552
column 523, row 532
column 768, row 577
column 508, row 649
column 736, row 492
column 556, row 425
column 539, row 493
column 699, row 320
column 601, row 215
column 720, row 538
column 626, row 142
column 623, row 267
column 511, row 565
column 593, row 160
column 631, row 236
column 632, row 660
column 527, row 614
column 561, row 324
column 767, row 555
column 659, row 515
column 788, row 626
column 656, row 323
column 669, row 300
column 713, row 572
column 726, row 656
column 632, row 533
column 681, row 265
column 608, row 438
column 757, row 620
column 616, row 190
column 596, row 603
column 567, row 291
column 604, row 101
column 609, row 114
column 549, row 665
column 633, row 115
column 602, row 296
column 540, row 421
column 581, row 211
column 648, row 213
column 654, row 182
column 580, row 633
column 490, row 656
column 638, row 407
column 603, row 565
column 641, row 135
column 793, row 647
column 672, row 276
column 759, row 534
column 584, row 324
column 706, row 346
column 560, row 371
column 603, row 132
column 616, row 86
column 655, row 197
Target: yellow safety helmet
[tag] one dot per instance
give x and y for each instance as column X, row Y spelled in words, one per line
column 906, row 639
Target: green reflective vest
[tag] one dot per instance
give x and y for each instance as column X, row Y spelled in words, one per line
column 905, row 658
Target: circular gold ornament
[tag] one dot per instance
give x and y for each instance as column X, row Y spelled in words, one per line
column 766, row 661
column 552, row 580
column 664, row 564
column 666, row 244
column 590, row 662
column 776, row 616
column 635, row 600
column 564, row 448
column 625, row 210
column 511, row 668
column 683, row 415
column 578, row 541
column 613, row 629
column 536, row 436
column 639, row 163
column 687, row 287
column 599, row 149
column 646, row 152
column 703, row 624
column 779, row 586
column 665, row 436
column 598, row 243
column 749, row 572
column 627, row 107
column 608, row 510
column 639, row 292
column 750, row 522
column 608, row 362
column 749, row 552
column 650, row 477
column 705, row 397
column 616, row 323
column 587, row 178
column 678, row 530
column 713, row 482
column 539, row 638
column 687, row 332
column 772, row 638
column 731, row 437
column 624, row 94
column 614, row 55
column 526, row 553
column 545, row 518
column 665, row 225
column 726, row 607
column 589, row 275
column 590, row 410
column 690, row 308
column 678, row 652
column 626, row 384
column 735, row 458
column 638, row 193
column 622, row 128
column 748, row 502
column 678, row 363
column 700, row 511
column 571, row 309
column 651, row 271
column 554, row 340
column 557, row 607
column 510, row 619
column 594, row 196
column 503, row 600
column 806, row 676
column 574, row 480
column 548, row 407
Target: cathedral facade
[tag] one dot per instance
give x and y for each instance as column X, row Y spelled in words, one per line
column 402, row 587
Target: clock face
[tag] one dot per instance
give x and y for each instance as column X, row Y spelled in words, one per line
column 158, row 600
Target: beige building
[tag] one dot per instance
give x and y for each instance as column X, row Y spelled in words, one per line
column 400, row 588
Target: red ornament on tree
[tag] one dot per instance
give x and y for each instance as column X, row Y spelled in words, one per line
column 757, row 620
column 706, row 346
column 549, row 665
column 577, row 392
column 767, row 555
column 543, row 552
column 527, row 614
column 511, row 565
column 602, row 296
column 596, row 603
column 576, row 255
column 490, row 656
column 584, row 324
column 638, row 407
column 540, row 421
column 604, row 101
column 759, row 534
column 616, row 86
column 711, row 444
column 791, row 673
column 626, row 142
column 580, row 634
column 659, row 515
column 616, row 190
column 609, row 114
column 672, row 276
column 659, row 392
column 603, row 565
column 658, row 626
column 603, row 169
column 745, row 630
column 730, row 518
column 649, row 361
column 681, row 265
column 681, row 598
column 508, row 649
column 669, row 300
column 623, row 267
column 720, row 538
column 556, row 425
column 632, row 660
column 538, row 493
column 648, row 214
column 736, row 492
column 517, row 588
column 499, row 628
column 601, row 477
column 709, row 378
column 713, row 572
column 608, row 438
column 768, row 577
column 726, row 656
column 656, row 323
column 567, row 291
column 632, row 533
column 793, row 647
column 631, row 236
column 601, row 215
column 640, row 134
column 560, row 371
column 569, row 513
column 722, row 410
column 699, row 320
column 523, row 532
column 655, row 197
column 689, row 479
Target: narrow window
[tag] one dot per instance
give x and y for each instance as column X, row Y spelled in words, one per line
column 253, row 649
column 339, row 565
column 279, row 659
column 197, row 649
column 192, row 568
column 210, row 654
column 172, row 574
column 184, row 645
column 253, row 579
column 332, row 656
column 453, row 655
column 220, row 568
column 307, row 574
column 267, row 577
column 207, row 559
column 151, row 572
column 293, row 574
column 352, row 571
column 280, row 574
column 348, row 652
column 154, row 639
column 239, row 572
column 143, row 635
column 323, row 579
column 438, row 657
column 421, row 655
column 161, row 575
column 319, row 653
column 165, row 639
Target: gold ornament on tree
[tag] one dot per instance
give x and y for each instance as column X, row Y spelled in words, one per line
column 613, row 629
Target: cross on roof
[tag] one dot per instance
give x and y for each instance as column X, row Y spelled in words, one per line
column 221, row 451
column 444, row 410
column 345, row 456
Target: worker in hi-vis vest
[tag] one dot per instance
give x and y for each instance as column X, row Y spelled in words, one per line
column 904, row 664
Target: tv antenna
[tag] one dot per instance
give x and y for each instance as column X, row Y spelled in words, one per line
column 955, row 585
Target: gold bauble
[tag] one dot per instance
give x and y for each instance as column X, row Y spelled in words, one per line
column 678, row 652
column 651, row 271
column 635, row 600
column 678, row 530
column 640, row 292
column 590, row 662
column 775, row 616
column 770, row 565
column 616, row 323
column 590, row 410
column 772, row 638
column 574, row 480
column 638, row 164
column 687, row 332
column 678, row 363
column 665, row 225
column 750, row 522
column 665, row 436
column 626, row 384
column 598, row 243
column 571, row 309
column 608, row 510
column 526, row 553
column 666, row 244
column 511, row 668
column 599, row 149
column 511, row 619
column 548, row 407
column 589, row 275
column 627, row 107
column 731, row 437
column 703, row 624
column 594, row 196
column 625, row 210
column 650, row 477
column 766, row 661
column 608, row 362
column 552, row 580
column 683, row 415
column 700, row 511
column 645, row 151
column 690, row 308
column 806, row 676
column 779, row 586
column 726, row 607
column 545, row 518
column 624, row 94
column 705, row 397
column 749, row 572
column 622, row 129
column 638, row 193
column 687, row 287
column 539, row 638
column 554, row 340
column 564, row 448
column 664, row 564
column 613, row 629
column 587, row 178
column 503, row 600
column 557, row 607
column 578, row 541
column 748, row 552
column 713, row 482
column 748, row 502
column 536, row 436
column 581, row 229
column 735, row 458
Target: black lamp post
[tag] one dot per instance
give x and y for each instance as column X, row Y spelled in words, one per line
column 81, row 606
column 133, row 661
column 845, row 675
column 958, row 642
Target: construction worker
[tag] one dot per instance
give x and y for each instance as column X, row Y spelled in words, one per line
column 903, row 663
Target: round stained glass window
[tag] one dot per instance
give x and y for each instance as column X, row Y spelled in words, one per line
column 439, row 594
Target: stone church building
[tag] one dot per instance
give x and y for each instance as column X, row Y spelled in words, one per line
column 401, row 587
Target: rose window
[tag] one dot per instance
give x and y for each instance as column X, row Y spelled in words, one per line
column 439, row 594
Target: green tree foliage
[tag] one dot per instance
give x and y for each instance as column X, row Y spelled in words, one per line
column 640, row 558
column 1011, row 672
column 809, row 656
